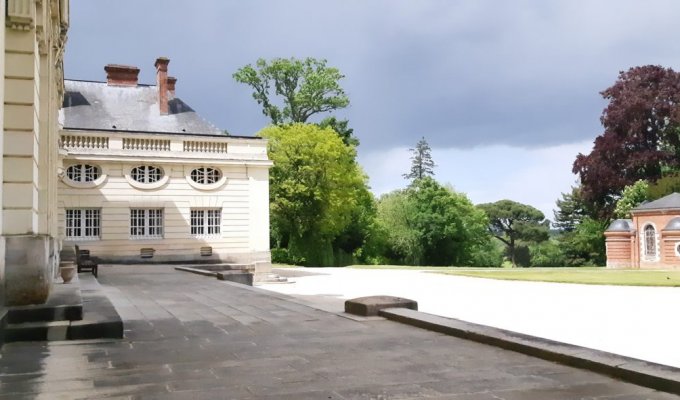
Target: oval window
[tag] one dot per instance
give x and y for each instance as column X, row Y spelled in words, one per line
column 83, row 173
column 146, row 174
column 206, row 175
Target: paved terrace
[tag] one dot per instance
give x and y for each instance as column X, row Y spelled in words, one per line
column 193, row 337
column 638, row 322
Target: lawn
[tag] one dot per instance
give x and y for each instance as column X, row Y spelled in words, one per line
column 584, row 275
column 589, row 276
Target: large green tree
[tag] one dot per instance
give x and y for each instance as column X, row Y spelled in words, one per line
column 292, row 90
column 430, row 224
column 315, row 188
column 512, row 222
column 421, row 161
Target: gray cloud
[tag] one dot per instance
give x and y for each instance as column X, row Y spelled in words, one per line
column 461, row 73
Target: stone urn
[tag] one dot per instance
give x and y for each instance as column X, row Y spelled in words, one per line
column 67, row 269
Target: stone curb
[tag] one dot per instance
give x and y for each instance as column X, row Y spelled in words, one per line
column 639, row 372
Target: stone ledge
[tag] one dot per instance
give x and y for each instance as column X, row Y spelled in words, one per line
column 639, row 372
column 370, row 306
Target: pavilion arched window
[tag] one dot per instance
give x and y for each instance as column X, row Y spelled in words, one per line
column 650, row 241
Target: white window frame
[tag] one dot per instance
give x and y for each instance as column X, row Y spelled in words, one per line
column 83, row 173
column 76, row 223
column 206, row 175
column 645, row 238
column 206, row 222
column 146, row 174
column 146, row 223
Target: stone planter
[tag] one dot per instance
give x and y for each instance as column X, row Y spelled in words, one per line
column 67, row 270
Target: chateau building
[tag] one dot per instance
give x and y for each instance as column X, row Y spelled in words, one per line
column 126, row 170
column 650, row 240
column 145, row 178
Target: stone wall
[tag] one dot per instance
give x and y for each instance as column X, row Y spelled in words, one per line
column 33, row 46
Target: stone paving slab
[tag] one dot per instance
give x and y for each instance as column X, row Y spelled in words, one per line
column 230, row 341
column 644, row 373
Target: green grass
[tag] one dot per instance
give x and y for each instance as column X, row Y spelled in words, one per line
column 584, row 275
column 589, row 276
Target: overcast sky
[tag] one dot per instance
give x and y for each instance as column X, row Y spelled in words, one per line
column 505, row 92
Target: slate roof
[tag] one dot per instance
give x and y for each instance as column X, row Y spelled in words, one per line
column 620, row 225
column 98, row 106
column 672, row 201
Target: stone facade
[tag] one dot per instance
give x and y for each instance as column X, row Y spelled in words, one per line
column 33, row 43
column 650, row 240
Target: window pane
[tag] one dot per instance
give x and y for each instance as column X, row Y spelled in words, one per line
column 83, row 223
column 650, row 241
column 73, row 173
column 197, row 222
column 206, row 175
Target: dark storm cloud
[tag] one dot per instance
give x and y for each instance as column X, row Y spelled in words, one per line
column 461, row 73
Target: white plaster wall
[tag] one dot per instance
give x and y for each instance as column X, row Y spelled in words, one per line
column 115, row 196
column 259, row 208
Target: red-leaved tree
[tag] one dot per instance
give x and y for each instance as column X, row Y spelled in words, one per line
column 641, row 138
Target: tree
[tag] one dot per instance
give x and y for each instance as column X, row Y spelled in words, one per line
column 664, row 186
column 570, row 210
column 631, row 197
column 304, row 87
column 421, row 161
column 510, row 222
column 341, row 127
column 430, row 224
column 449, row 225
column 586, row 244
column 315, row 189
column 395, row 213
column 581, row 239
column 641, row 137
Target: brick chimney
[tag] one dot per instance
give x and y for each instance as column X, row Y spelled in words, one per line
column 171, row 86
column 121, row 75
column 162, row 83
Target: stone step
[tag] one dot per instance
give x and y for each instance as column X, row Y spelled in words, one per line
column 63, row 304
column 241, row 276
column 99, row 320
column 244, row 278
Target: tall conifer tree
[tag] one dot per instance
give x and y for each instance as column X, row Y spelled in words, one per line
column 421, row 161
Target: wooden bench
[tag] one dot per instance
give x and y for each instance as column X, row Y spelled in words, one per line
column 85, row 262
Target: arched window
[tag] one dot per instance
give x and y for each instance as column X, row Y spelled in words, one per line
column 650, row 241
column 83, row 173
column 205, row 175
column 146, row 174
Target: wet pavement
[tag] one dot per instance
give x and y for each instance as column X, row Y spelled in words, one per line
column 194, row 337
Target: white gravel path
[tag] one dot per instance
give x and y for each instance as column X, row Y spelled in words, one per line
column 639, row 322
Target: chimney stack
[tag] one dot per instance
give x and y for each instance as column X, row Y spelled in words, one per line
column 162, row 83
column 121, row 75
column 171, row 86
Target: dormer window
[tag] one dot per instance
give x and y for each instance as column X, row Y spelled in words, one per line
column 146, row 174
column 83, row 173
column 205, row 175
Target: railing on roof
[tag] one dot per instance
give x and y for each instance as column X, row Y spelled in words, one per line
column 84, row 142
column 205, row 147
column 146, row 144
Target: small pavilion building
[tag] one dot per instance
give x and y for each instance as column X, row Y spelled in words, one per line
column 650, row 240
